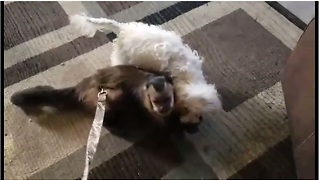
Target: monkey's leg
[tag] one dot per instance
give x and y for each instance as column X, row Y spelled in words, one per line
column 110, row 117
column 113, row 111
column 45, row 99
column 112, row 122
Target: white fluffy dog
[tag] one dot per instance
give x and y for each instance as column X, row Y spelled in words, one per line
column 152, row 48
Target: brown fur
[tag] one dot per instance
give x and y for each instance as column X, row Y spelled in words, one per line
column 125, row 85
column 120, row 81
column 126, row 92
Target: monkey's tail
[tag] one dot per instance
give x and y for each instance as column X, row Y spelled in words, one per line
column 88, row 26
column 46, row 96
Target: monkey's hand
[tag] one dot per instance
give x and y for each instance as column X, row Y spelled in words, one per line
column 191, row 128
column 191, row 118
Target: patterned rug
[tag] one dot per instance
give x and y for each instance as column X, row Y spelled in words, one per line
column 245, row 45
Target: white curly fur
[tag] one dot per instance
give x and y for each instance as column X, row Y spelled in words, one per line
column 153, row 48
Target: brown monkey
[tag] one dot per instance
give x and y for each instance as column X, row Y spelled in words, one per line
column 128, row 87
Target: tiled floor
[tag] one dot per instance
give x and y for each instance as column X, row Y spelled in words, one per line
column 245, row 45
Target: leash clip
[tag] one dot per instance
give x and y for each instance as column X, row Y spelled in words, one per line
column 102, row 95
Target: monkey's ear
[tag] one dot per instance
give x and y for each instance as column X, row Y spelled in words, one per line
column 145, row 87
column 169, row 78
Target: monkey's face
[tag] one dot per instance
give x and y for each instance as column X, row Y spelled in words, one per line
column 161, row 96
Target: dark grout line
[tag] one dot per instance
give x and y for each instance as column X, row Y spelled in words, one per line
column 166, row 14
column 287, row 14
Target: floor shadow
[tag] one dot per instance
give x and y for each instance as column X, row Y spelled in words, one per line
column 131, row 123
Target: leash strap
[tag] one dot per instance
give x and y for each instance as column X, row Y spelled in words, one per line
column 94, row 134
